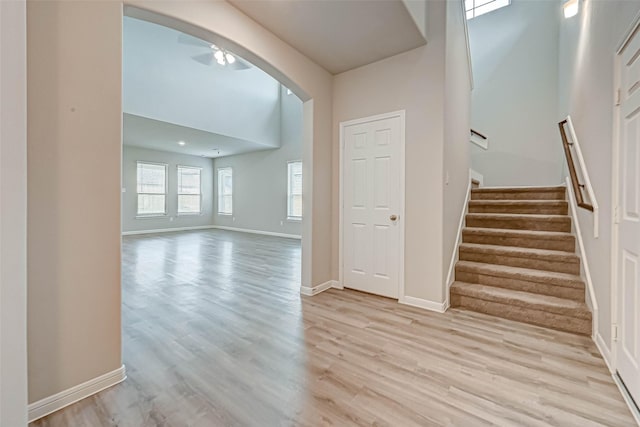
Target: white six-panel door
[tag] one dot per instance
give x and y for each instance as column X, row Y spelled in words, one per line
column 372, row 204
column 628, row 299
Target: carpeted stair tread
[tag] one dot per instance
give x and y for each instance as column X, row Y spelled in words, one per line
column 521, row 252
column 528, row 300
column 553, row 207
column 535, row 234
column 528, row 274
column 542, row 259
column 561, row 223
column 518, row 193
column 558, row 188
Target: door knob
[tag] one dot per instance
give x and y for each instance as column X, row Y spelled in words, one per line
column 393, row 217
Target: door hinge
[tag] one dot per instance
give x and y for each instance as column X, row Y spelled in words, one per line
column 614, row 332
column 618, row 97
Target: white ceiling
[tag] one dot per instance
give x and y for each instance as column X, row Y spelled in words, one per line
column 338, row 34
column 159, row 135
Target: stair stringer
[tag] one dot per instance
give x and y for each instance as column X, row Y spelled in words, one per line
column 585, row 273
column 455, row 255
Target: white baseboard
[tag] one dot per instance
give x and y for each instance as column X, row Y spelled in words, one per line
column 439, row 307
column 166, row 230
column 315, row 290
column 603, row 348
column 635, row 412
column 72, row 395
column 265, row 233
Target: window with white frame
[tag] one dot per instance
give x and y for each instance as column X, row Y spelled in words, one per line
column 294, row 190
column 475, row 8
column 225, row 191
column 189, row 190
column 152, row 189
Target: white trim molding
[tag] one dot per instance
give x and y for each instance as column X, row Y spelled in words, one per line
column 264, row 233
column 51, row 404
column 167, row 230
column 315, row 290
column 454, row 253
column 591, row 293
column 603, row 348
column 438, row 307
column 209, row 227
column 635, row 412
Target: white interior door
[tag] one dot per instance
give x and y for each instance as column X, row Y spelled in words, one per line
column 372, row 204
column 628, row 344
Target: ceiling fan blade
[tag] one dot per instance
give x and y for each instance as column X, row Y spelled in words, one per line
column 205, row 58
column 192, row 41
column 239, row 65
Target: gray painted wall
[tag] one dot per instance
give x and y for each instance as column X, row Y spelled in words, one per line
column 260, row 178
column 131, row 155
column 588, row 43
column 514, row 53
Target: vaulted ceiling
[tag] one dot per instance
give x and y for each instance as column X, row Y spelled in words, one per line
column 339, row 34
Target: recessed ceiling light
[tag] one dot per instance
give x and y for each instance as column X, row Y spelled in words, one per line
column 181, row 143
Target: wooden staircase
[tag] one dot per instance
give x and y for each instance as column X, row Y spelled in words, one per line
column 517, row 259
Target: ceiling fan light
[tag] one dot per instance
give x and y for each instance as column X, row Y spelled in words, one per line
column 221, row 62
column 219, row 56
column 214, row 47
column 230, row 58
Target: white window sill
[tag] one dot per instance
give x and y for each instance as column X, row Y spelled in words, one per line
column 151, row 216
column 224, row 214
column 189, row 214
column 294, row 219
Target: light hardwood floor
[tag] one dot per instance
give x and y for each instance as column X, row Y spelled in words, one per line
column 215, row 333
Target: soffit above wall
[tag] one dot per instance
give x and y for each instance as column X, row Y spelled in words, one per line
column 338, row 35
column 163, row 136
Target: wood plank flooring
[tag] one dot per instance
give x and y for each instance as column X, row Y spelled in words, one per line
column 215, row 333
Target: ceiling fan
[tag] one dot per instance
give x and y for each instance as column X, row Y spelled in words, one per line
column 215, row 55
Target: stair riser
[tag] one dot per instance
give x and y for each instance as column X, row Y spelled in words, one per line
column 576, row 294
column 560, row 266
column 523, row 314
column 567, row 245
column 519, row 209
column 541, row 224
column 518, row 195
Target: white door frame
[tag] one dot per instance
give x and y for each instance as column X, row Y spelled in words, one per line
column 615, row 199
column 343, row 125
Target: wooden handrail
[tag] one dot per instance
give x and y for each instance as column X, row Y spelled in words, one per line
column 474, row 132
column 577, row 187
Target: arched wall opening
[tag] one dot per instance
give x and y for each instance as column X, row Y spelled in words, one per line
column 304, row 90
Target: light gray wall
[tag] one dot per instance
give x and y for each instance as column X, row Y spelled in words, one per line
column 74, row 152
column 260, row 178
column 515, row 61
column 588, row 43
column 13, row 221
column 131, row 155
column 457, row 110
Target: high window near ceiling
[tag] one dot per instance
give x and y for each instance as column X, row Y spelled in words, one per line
column 152, row 189
column 189, row 190
column 476, row 8
column 294, row 190
column 225, row 191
